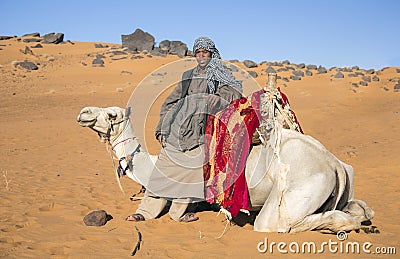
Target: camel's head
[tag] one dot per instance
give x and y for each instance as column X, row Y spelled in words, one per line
column 107, row 122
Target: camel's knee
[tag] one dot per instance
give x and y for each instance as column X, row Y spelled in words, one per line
column 359, row 210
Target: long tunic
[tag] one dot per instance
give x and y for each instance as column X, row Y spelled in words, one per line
column 179, row 169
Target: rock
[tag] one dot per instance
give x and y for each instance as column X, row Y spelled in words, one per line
column 301, row 65
column 354, row 85
column 232, row 68
column 281, row 69
column 164, row 45
column 285, row 79
column 339, row 75
column 322, row 70
column 33, row 34
column 178, row 48
column 355, row 68
column 352, row 75
column 27, row 65
column 286, row 62
column 37, row 46
column 271, row 70
column 28, row 40
column 249, row 63
column 27, row 50
column 298, row 73
column 98, row 62
column 6, row 37
column 398, row 70
column 53, row 38
column 375, row 79
column 363, row 83
column 293, row 77
column 138, row 41
column 253, row 74
column 97, row 218
column 117, row 52
column 99, row 46
column 370, row 71
column 309, row 73
column 396, row 87
column 311, row 67
column 157, row 51
column 366, row 79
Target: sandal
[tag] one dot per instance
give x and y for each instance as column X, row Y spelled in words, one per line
column 189, row 217
column 135, row 217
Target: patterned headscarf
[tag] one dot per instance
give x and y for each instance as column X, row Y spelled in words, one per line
column 216, row 71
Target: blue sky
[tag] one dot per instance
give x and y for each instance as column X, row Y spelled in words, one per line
column 329, row 33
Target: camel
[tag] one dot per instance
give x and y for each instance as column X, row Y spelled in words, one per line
column 297, row 186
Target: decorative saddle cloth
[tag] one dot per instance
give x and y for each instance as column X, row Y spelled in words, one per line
column 229, row 135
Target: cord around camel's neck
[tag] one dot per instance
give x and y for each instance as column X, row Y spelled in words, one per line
column 126, row 144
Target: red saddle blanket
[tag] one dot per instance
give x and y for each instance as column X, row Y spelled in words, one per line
column 227, row 145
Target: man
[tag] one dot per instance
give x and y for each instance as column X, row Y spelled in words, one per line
column 178, row 173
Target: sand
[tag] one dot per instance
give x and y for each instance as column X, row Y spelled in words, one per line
column 54, row 172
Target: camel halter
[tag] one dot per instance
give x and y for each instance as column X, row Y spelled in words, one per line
column 120, row 170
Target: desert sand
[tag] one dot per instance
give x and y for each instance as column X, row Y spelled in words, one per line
column 54, row 172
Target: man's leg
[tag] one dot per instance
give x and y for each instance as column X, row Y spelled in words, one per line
column 151, row 207
column 178, row 208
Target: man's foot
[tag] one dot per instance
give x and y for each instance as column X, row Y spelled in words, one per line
column 189, row 217
column 135, row 217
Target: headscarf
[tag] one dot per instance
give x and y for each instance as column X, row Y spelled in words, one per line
column 216, row 71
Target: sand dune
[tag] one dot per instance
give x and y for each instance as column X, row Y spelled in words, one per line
column 54, row 172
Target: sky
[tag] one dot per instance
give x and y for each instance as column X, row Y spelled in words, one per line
column 331, row 33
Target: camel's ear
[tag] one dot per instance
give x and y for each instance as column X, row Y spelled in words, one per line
column 111, row 113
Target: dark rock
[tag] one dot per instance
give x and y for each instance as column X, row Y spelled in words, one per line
column 354, row 85
column 37, row 46
column 28, row 40
column 359, row 73
column 118, row 52
column 352, row 75
column 178, row 48
column 322, row 70
column 158, row 52
column 232, row 68
column 253, row 74
column 366, row 79
column 53, row 38
column 298, row 73
column 290, row 68
column 100, row 56
column 301, row 65
column 136, row 57
column 370, row 71
column 6, row 37
column 396, row 87
column 286, row 62
column 97, row 218
column 282, row 69
column 375, row 79
column 270, row 70
column 27, row 65
column 363, row 83
column 293, row 77
column 285, row 79
column 98, row 62
column 165, row 45
column 33, row 34
column 249, row 63
column 355, row 68
column 339, row 75
column 27, row 50
column 311, row 67
column 309, row 73
column 139, row 40
column 347, row 69
column 398, row 70
column 100, row 46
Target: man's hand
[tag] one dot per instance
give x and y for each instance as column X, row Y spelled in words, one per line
column 162, row 139
column 212, row 102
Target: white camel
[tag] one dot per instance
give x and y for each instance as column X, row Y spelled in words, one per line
column 306, row 188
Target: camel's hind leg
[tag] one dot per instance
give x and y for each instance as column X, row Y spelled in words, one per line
column 334, row 220
column 352, row 215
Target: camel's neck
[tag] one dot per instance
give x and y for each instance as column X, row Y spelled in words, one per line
column 125, row 145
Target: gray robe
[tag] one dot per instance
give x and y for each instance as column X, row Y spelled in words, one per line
column 179, row 169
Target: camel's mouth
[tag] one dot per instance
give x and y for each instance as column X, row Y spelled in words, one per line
column 86, row 120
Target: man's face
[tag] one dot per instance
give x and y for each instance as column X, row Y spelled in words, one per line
column 203, row 57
